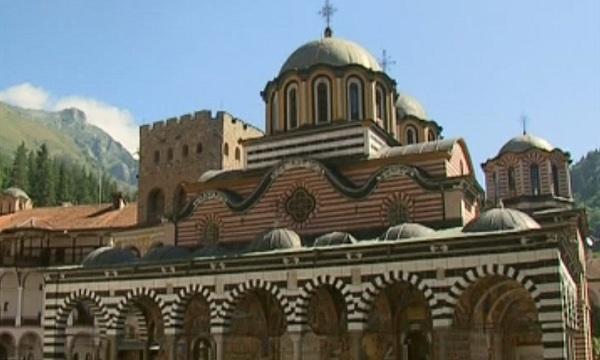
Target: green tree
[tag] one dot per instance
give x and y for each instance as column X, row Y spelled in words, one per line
column 44, row 189
column 18, row 173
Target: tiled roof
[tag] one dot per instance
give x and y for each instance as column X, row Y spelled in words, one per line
column 76, row 217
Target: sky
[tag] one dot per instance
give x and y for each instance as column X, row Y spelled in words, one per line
column 477, row 67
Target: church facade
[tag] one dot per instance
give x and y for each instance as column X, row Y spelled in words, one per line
column 350, row 229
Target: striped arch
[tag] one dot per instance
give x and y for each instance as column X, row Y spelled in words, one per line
column 237, row 293
column 122, row 308
column 181, row 302
column 374, row 288
column 309, row 288
column 86, row 296
column 473, row 275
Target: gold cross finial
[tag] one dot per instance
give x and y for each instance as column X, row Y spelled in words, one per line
column 327, row 12
column 386, row 61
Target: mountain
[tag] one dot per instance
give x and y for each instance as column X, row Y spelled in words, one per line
column 69, row 136
column 585, row 176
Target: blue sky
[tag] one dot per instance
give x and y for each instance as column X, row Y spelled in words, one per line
column 477, row 66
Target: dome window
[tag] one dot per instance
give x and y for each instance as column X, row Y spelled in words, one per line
column 411, row 135
column 430, row 135
column 355, row 105
column 512, row 185
column 555, row 180
column 496, row 187
column 380, row 114
column 322, row 94
column 534, row 173
column 274, row 113
column 292, row 107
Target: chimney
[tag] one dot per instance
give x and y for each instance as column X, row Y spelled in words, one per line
column 118, row 201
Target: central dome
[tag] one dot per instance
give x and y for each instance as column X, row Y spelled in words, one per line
column 330, row 51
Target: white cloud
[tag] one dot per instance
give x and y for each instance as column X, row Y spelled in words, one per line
column 26, row 95
column 118, row 123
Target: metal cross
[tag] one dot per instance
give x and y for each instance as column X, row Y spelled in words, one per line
column 524, row 121
column 327, row 12
column 386, row 60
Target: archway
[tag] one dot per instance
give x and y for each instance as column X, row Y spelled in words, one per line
column 257, row 324
column 195, row 339
column 156, row 206
column 327, row 322
column 7, row 347
column 498, row 319
column 30, row 347
column 33, row 299
column 142, row 335
column 9, row 289
column 399, row 324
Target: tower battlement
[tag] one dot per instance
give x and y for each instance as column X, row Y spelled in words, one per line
column 190, row 118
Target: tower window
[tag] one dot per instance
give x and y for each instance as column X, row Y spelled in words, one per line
column 411, row 135
column 534, row 173
column 274, row 113
column 322, row 104
column 292, row 107
column 198, row 148
column 226, row 149
column 156, row 157
column 237, row 153
column 185, row 150
column 512, row 185
column 430, row 135
column 170, row 154
column 555, row 180
column 355, row 106
column 380, row 113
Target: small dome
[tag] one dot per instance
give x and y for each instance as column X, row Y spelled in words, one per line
column 108, row 256
column 407, row 105
column 498, row 219
column 166, row 253
column 277, row 239
column 406, row 231
column 525, row 142
column 15, row 192
column 330, row 51
column 334, row 238
column 209, row 175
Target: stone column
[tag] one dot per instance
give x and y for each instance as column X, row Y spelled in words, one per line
column 170, row 347
column 356, row 344
column 112, row 348
column 219, row 339
column 18, row 316
column 296, row 338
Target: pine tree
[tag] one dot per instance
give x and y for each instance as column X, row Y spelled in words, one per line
column 18, row 173
column 32, row 178
column 45, row 178
column 64, row 183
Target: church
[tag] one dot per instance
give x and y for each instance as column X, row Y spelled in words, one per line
column 352, row 228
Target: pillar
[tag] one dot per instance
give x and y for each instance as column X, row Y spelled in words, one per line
column 18, row 316
column 112, row 348
column 297, row 345
column 219, row 346
column 356, row 344
column 170, row 347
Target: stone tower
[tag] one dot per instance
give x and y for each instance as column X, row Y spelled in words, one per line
column 182, row 149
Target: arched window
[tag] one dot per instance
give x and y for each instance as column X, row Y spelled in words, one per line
column 198, row 148
column 512, row 185
column 170, row 154
column 156, row 157
column 412, row 137
column 179, row 198
column 322, row 103
column 534, row 173
column 380, row 113
column 237, row 153
column 226, row 149
column 496, row 187
column 355, row 104
column 291, row 106
column 156, row 205
column 430, row 134
column 555, row 180
column 274, row 113
column 185, row 150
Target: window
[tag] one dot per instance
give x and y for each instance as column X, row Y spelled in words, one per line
column 292, row 106
column 496, row 187
column 322, row 104
column 355, row 99
column 534, row 173
column 170, row 154
column 156, row 205
column 300, row 205
column 398, row 213
column 226, row 149
column 274, row 113
column 430, row 135
column 199, row 148
column 156, row 157
column 185, row 150
column 237, row 153
column 512, row 185
column 211, row 232
column 555, row 180
column 380, row 113
column 411, row 135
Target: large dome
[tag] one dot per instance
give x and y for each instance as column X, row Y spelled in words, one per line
column 108, row 256
column 525, row 142
column 501, row 219
column 407, row 105
column 330, row 51
column 277, row 239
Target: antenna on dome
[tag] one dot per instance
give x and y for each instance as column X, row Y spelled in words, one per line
column 386, row 61
column 524, row 121
column 327, row 12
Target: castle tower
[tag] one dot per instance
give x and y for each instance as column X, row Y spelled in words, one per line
column 182, row 149
column 529, row 174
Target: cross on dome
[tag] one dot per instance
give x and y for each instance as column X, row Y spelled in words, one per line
column 327, row 12
column 386, row 61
